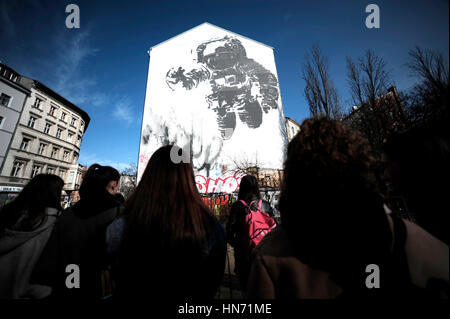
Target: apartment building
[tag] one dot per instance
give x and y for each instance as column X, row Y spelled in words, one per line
column 12, row 100
column 47, row 138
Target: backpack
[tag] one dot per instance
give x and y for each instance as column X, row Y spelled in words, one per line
column 257, row 225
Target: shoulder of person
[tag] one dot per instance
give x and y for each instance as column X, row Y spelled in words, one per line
column 275, row 243
column 114, row 233
column 427, row 256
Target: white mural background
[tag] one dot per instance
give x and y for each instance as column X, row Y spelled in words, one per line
column 227, row 108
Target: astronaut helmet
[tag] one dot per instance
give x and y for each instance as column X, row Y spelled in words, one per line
column 222, row 53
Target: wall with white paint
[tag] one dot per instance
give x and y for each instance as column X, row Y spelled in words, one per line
column 218, row 92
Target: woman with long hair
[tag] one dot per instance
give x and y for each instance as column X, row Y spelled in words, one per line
column 25, row 227
column 250, row 194
column 169, row 244
column 79, row 237
column 336, row 238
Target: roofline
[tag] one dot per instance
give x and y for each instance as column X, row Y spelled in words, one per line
column 292, row 120
column 17, row 86
column 210, row 25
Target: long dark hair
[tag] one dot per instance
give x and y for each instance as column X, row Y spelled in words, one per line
column 43, row 191
column 96, row 179
column 329, row 202
column 248, row 189
column 166, row 231
column 166, row 204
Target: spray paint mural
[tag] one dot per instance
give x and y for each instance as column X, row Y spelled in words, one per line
column 216, row 94
column 239, row 85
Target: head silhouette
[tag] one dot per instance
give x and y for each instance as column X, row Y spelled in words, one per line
column 43, row 191
column 329, row 203
column 98, row 180
column 248, row 188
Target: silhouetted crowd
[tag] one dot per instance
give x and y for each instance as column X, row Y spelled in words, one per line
column 338, row 237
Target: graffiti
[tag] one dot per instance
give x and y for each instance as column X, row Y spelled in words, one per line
column 143, row 159
column 203, row 154
column 228, row 184
column 214, row 200
column 214, row 94
column 219, row 204
column 239, row 84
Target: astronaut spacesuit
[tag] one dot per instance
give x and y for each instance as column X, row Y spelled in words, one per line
column 239, row 84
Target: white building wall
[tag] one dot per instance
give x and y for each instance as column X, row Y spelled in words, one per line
column 188, row 95
column 292, row 129
column 10, row 115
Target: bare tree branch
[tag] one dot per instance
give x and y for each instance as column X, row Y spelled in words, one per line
column 320, row 92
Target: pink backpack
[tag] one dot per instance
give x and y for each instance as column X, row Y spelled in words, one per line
column 257, row 225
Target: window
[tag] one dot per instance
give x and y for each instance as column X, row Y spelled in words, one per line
column 75, row 157
column 66, row 155
column 17, row 169
column 55, row 152
column 52, row 110
column 36, row 170
column 37, row 103
column 71, row 177
column 62, row 173
column 74, row 120
column 47, row 128
column 31, row 122
column 4, row 99
column 63, row 116
column 1, row 121
column 41, row 149
column 50, row 170
column 24, row 144
column 69, row 137
column 58, row 133
column 79, row 138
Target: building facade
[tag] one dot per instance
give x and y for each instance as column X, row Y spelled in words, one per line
column 46, row 139
column 12, row 100
column 216, row 92
column 292, row 128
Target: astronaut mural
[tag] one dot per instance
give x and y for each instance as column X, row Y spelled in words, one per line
column 218, row 93
column 239, row 84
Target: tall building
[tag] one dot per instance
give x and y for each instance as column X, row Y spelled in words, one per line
column 43, row 132
column 217, row 93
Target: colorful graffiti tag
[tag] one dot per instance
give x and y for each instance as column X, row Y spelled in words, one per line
column 223, row 184
column 219, row 205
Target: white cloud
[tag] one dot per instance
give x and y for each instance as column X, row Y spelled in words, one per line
column 80, row 87
column 70, row 81
column 123, row 111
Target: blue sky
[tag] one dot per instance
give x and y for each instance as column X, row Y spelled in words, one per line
column 102, row 66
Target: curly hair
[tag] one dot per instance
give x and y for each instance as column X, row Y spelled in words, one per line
column 327, row 151
column 329, row 197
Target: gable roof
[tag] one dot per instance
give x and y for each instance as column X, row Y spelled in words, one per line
column 210, row 24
